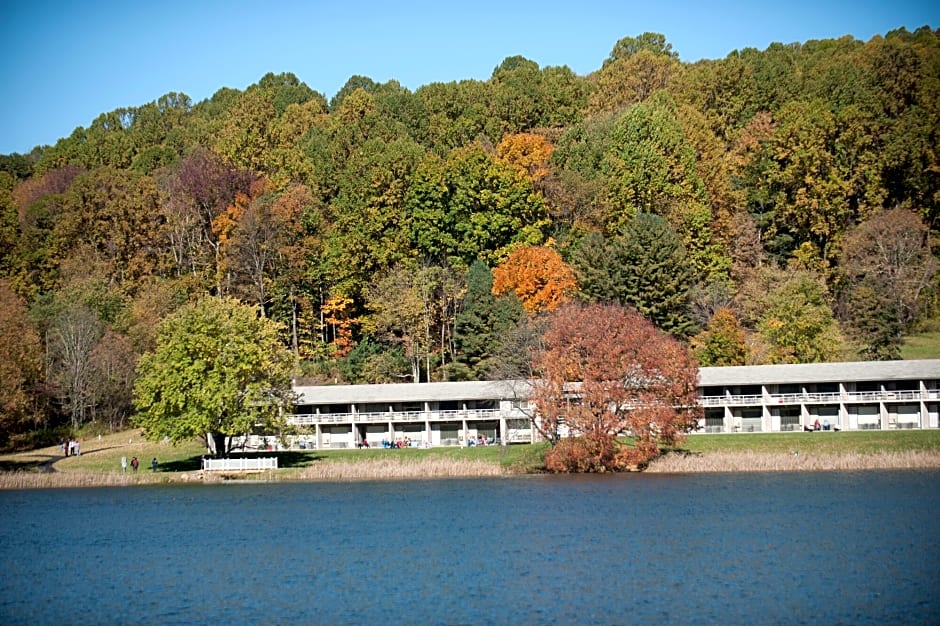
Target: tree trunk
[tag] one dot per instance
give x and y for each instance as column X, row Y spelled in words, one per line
column 218, row 444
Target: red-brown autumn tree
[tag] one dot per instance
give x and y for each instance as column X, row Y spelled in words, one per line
column 619, row 386
column 538, row 276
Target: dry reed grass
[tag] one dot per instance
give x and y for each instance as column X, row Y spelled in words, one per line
column 439, row 467
column 379, row 469
column 792, row 462
column 63, row 480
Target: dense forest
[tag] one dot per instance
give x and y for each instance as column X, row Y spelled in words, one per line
column 774, row 206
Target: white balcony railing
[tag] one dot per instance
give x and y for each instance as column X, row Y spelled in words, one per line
column 705, row 401
column 817, row 398
column 399, row 416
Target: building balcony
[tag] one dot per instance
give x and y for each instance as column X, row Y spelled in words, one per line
column 818, row 398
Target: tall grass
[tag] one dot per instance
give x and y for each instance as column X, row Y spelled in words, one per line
column 398, row 468
column 750, row 461
column 58, row 480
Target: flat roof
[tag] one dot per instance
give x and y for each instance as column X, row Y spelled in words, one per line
column 927, row 369
column 708, row 377
column 411, row 392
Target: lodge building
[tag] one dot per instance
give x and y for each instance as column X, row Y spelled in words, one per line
column 869, row 395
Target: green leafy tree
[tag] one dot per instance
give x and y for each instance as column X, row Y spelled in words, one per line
column 654, row 43
column 810, row 196
column 721, row 90
column 457, row 113
column 651, row 168
column 415, row 307
column 472, row 206
column 722, row 342
column 791, row 311
column 631, row 79
column 9, row 225
column 219, row 369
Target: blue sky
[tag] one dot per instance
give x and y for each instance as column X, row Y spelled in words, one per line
column 66, row 63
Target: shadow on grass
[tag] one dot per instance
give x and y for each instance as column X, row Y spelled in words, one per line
column 31, row 465
column 285, row 459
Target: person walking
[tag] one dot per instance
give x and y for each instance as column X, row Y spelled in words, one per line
column 134, row 464
column 153, row 464
column 123, row 464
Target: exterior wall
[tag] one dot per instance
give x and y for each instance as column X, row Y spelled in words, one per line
column 779, row 398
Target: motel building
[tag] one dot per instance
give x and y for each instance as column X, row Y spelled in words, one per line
column 871, row 395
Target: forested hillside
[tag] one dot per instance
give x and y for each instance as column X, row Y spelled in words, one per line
column 774, row 206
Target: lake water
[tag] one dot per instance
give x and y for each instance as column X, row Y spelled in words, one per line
column 803, row 548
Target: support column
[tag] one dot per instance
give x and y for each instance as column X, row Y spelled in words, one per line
column 766, row 419
column 922, row 413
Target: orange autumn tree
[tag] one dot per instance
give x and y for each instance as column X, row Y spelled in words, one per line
column 538, row 276
column 338, row 319
column 606, row 373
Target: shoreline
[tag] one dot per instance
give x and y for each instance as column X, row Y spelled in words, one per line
column 430, row 469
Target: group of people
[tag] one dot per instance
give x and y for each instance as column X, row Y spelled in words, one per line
column 71, row 448
column 481, row 440
column 400, row 443
column 135, row 464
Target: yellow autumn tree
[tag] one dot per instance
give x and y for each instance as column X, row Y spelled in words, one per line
column 527, row 152
column 538, row 276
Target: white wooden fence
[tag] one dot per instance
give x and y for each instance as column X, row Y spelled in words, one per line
column 239, row 465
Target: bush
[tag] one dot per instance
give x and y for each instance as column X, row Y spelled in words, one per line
column 599, row 455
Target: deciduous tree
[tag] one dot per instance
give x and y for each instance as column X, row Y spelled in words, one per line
column 791, row 311
column 722, row 342
column 72, row 338
column 605, row 372
column 890, row 254
column 20, row 367
column 538, row 276
column 218, row 371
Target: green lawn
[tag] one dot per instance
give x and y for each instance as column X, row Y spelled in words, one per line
column 104, row 455
column 824, row 442
column 922, row 346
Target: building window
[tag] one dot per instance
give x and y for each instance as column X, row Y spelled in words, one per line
column 790, row 418
column 714, row 420
column 751, row 421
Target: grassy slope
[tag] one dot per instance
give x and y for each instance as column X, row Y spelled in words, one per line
column 922, row 346
column 104, row 455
